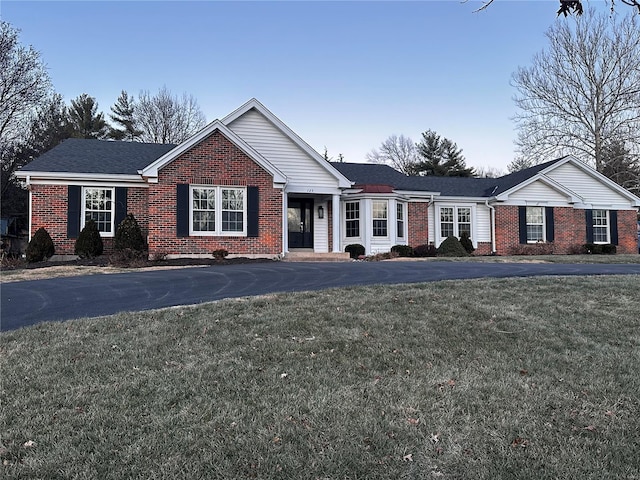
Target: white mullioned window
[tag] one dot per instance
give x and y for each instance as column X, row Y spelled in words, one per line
column 454, row 221
column 400, row 220
column 601, row 226
column 98, row 204
column 352, row 219
column 535, row 224
column 216, row 210
column 380, row 214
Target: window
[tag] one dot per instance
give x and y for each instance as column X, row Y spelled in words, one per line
column 217, row 210
column 464, row 221
column 446, row 222
column 535, row 224
column 232, row 209
column 454, row 221
column 600, row 226
column 98, row 205
column 352, row 216
column 379, row 210
column 400, row 220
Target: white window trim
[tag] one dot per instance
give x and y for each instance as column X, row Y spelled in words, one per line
column 83, row 212
column 218, row 212
column 359, row 219
column 456, row 233
column 402, row 235
column 544, row 226
column 373, row 219
column 593, row 227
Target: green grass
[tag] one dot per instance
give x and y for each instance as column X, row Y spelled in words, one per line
column 481, row 379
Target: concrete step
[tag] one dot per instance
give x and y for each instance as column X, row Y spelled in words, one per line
column 308, row 256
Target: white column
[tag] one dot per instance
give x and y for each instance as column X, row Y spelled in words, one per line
column 335, row 217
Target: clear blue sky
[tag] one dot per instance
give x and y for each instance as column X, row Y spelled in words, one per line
column 344, row 75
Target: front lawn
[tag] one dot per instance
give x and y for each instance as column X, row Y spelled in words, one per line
column 481, row 379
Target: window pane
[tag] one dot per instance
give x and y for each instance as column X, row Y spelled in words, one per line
column 379, row 209
column 534, row 215
column 379, row 228
column 464, row 215
column 232, row 221
column 446, row 230
column 98, row 207
column 446, row 215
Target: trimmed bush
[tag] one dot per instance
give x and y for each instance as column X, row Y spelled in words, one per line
column 129, row 236
column 599, row 248
column 451, row 247
column 40, row 247
column 465, row 241
column 402, row 250
column 220, row 253
column 355, row 250
column 89, row 242
column 540, row 248
column 425, row 251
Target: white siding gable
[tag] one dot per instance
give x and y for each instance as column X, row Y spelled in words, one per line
column 593, row 191
column 302, row 171
column 538, row 191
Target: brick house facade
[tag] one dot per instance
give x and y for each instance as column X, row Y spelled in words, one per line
column 251, row 186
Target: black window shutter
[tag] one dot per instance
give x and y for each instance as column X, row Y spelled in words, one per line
column 522, row 224
column 253, row 210
column 613, row 220
column 74, row 207
column 588, row 215
column 550, row 227
column 121, row 205
column 182, row 210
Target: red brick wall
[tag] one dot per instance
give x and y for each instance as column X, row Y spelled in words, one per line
column 49, row 210
column 569, row 230
column 214, row 161
column 418, row 226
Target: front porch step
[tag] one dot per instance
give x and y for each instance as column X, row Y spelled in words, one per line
column 316, row 257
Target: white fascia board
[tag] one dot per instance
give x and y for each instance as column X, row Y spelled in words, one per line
column 459, row 200
column 73, row 177
column 312, row 189
column 151, row 171
column 635, row 201
column 343, row 182
column 572, row 197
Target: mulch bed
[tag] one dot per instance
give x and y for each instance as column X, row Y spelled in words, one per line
column 104, row 261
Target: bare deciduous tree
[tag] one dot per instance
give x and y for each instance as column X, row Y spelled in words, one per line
column 24, row 84
column 570, row 7
column 165, row 118
column 582, row 92
column 398, row 152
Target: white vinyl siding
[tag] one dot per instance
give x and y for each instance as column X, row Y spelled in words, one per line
column 539, row 192
column 280, row 151
column 593, row 191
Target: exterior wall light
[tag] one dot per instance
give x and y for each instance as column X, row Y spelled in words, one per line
column 320, row 211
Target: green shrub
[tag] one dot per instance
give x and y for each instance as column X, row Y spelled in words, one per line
column 220, row 253
column 402, row 250
column 40, row 247
column 355, row 250
column 425, row 251
column 540, row 248
column 89, row 242
column 451, row 247
column 129, row 236
column 467, row 244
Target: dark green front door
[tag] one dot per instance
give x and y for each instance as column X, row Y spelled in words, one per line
column 300, row 222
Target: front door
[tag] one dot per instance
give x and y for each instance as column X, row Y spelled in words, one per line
column 300, row 222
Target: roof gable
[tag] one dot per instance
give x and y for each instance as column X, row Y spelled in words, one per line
column 259, row 133
column 150, row 172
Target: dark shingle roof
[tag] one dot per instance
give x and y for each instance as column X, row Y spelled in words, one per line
column 79, row 155
column 367, row 173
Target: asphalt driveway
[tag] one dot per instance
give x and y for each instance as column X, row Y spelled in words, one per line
column 27, row 303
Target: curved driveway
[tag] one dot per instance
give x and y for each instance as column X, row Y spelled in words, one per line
column 31, row 302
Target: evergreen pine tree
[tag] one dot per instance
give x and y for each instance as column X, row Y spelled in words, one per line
column 440, row 157
column 85, row 120
column 122, row 113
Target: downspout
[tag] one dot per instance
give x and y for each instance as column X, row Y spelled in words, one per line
column 285, row 223
column 492, row 217
column 28, row 184
column 429, row 203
